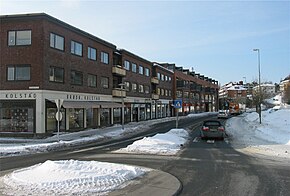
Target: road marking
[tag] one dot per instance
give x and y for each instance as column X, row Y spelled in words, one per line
column 196, row 139
column 232, row 155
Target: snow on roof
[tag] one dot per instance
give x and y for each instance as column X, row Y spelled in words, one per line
column 237, row 88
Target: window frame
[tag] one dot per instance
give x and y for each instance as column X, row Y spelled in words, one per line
column 103, row 59
column 134, row 67
column 95, row 82
column 55, row 41
column 105, row 86
column 73, row 81
column 15, row 77
column 54, row 76
column 141, row 70
column 73, row 48
column 90, row 49
column 127, row 65
column 15, row 38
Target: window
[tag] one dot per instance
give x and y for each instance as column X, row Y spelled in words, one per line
column 56, row 74
column 19, row 38
column 169, row 93
column 134, row 87
column 127, row 86
column 147, row 72
column 158, row 76
column 18, row 72
column 134, row 68
column 162, row 92
column 162, row 77
column 158, row 91
column 92, row 53
column 127, row 65
column 166, row 78
column 76, row 48
column 179, row 94
column 169, row 78
column 105, row 82
column 146, row 89
column 166, row 92
column 141, row 88
column 141, row 70
column 56, row 41
column 105, row 57
column 76, row 77
column 92, row 80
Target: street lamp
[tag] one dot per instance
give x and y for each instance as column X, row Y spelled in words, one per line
column 260, row 93
column 122, row 97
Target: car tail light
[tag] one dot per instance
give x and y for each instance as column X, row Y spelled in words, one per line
column 221, row 129
column 205, row 128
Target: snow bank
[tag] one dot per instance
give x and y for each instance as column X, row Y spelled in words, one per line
column 163, row 144
column 70, row 177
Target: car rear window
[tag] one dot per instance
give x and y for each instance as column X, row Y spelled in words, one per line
column 212, row 123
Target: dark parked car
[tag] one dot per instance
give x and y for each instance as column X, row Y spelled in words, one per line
column 212, row 129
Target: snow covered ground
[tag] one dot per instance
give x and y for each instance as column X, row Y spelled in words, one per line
column 271, row 138
column 73, row 177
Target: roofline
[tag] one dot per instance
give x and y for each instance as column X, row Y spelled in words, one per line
column 134, row 55
column 55, row 20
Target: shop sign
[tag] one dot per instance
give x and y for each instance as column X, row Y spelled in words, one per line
column 20, row 95
column 82, row 97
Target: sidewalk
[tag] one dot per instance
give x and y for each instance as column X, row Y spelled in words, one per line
column 155, row 183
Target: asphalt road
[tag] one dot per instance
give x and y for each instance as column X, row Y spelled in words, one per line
column 202, row 168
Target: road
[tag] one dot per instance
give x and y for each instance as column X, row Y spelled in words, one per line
column 202, row 168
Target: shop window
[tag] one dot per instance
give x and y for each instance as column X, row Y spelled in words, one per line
column 51, row 122
column 56, row 41
column 76, row 118
column 19, row 38
column 105, row 117
column 117, row 115
column 17, row 117
column 18, row 72
column 56, row 74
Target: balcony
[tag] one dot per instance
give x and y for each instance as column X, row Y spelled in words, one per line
column 154, row 80
column 118, row 92
column 118, row 70
column 155, row 96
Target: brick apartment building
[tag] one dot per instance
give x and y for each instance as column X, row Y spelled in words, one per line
column 44, row 59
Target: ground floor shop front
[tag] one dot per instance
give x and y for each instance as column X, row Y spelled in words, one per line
column 35, row 112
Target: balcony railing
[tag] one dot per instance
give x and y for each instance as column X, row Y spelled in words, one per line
column 118, row 70
column 155, row 96
column 118, row 92
column 154, row 80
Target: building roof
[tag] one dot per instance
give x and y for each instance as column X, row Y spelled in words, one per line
column 237, row 88
column 59, row 22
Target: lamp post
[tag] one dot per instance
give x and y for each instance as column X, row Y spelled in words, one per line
column 122, row 97
column 260, row 93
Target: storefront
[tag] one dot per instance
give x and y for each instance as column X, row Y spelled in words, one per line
column 17, row 116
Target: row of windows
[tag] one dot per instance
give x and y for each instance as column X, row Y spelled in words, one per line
column 141, row 70
column 163, row 77
column 57, row 42
column 23, row 37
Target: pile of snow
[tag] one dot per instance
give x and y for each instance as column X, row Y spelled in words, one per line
column 277, row 100
column 163, row 144
column 70, row 177
column 271, row 137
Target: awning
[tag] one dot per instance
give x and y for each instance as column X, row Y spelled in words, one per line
column 91, row 104
column 110, row 105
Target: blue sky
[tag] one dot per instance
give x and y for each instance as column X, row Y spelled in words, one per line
column 214, row 38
